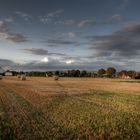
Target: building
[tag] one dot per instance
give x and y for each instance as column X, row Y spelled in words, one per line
column 8, row 73
column 124, row 75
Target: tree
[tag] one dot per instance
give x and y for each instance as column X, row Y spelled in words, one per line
column 73, row 73
column 49, row 73
column 137, row 75
column 57, row 73
column 101, row 72
column 83, row 73
column 77, row 73
column 131, row 73
column 111, row 71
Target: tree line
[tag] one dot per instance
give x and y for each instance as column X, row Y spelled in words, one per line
column 110, row 72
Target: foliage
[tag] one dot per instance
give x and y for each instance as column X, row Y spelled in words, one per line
column 101, row 72
column 111, row 71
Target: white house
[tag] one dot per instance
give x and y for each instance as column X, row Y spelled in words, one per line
column 8, row 73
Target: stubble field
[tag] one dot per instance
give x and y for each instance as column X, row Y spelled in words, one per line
column 71, row 108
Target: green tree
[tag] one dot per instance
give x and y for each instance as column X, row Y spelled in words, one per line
column 83, row 73
column 77, row 73
column 57, row 73
column 111, row 71
column 101, row 72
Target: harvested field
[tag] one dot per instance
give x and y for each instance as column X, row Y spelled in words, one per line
column 71, row 108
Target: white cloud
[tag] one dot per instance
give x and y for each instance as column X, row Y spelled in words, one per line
column 71, row 34
column 69, row 61
column 23, row 15
column 9, row 19
column 45, row 59
column 86, row 23
column 50, row 17
column 115, row 18
column 69, row 22
column 55, row 13
column 45, row 20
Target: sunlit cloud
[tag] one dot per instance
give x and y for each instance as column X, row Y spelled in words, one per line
column 69, row 61
column 45, row 60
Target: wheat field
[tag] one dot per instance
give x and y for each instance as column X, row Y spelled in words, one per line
column 69, row 109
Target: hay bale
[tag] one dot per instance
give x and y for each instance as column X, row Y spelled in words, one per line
column 0, row 77
column 23, row 78
column 18, row 76
column 56, row 78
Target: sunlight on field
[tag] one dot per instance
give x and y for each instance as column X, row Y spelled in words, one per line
column 71, row 108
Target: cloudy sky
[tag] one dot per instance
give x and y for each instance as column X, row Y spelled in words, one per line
column 69, row 34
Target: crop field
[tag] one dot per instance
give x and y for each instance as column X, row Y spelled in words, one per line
column 69, row 109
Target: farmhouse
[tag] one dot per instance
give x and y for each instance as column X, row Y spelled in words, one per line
column 124, row 75
column 8, row 73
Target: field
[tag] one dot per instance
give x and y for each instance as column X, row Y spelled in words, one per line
column 69, row 109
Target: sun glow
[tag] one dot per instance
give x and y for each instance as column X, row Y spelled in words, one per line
column 69, row 61
column 45, row 59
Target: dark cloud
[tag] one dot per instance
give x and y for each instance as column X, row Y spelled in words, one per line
column 42, row 52
column 5, row 62
column 56, row 42
column 7, row 34
column 37, row 51
column 3, row 26
column 57, row 54
column 124, row 43
column 17, row 38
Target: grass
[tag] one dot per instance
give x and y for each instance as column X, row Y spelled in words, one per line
column 103, row 119
column 131, row 81
column 94, row 115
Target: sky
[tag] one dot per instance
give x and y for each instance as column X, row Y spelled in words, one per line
column 69, row 34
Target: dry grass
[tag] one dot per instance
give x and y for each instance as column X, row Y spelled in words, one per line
column 77, row 85
column 71, row 108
